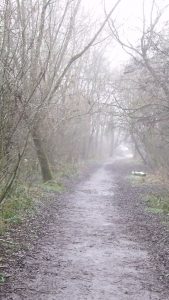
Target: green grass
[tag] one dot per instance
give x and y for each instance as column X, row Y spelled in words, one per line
column 136, row 180
column 21, row 199
column 2, row 278
column 66, row 170
column 21, row 202
column 13, row 209
column 158, row 204
column 53, row 186
column 56, row 185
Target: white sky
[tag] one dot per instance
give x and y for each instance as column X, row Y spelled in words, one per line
column 128, row 16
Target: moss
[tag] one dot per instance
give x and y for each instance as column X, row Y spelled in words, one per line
column 158, row 204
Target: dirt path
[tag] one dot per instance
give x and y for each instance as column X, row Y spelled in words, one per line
column 86, row 252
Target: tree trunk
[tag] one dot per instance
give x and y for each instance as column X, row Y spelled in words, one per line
column 137, row 148
column 43, row 160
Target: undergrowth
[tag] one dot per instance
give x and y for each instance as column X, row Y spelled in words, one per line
column 21, row 199
column 137, row 180
column 66, row 170
column 158, row 204
column 16, row 204
column 155, row 203
column 52, row 186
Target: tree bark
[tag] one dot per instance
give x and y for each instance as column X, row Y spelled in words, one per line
column 42, row 157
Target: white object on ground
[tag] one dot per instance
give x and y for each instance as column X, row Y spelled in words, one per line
column 138, row 173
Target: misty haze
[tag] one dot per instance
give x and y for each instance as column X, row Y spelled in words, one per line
column 84, row 149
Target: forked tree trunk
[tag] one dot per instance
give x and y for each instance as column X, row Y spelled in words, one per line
column 42, row 157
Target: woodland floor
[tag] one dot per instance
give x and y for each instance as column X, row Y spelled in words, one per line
column 95, row 241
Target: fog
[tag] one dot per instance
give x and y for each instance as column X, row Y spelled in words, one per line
column 84, row 149
column 75, row 86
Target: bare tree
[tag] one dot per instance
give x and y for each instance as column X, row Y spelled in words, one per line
column 37, row 54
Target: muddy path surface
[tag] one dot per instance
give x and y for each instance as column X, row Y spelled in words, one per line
column 87, row 252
